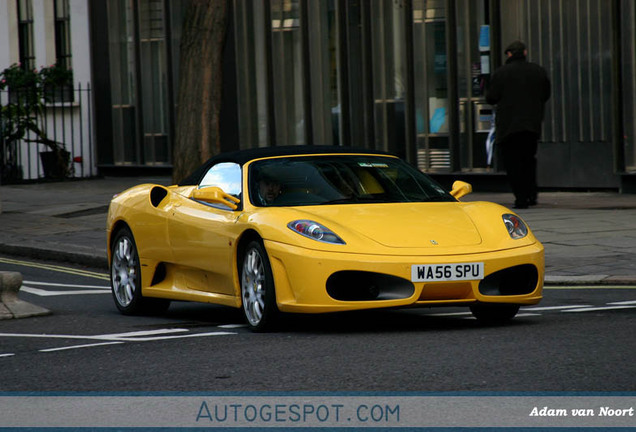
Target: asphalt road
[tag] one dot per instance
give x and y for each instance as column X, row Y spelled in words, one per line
column 577, row 339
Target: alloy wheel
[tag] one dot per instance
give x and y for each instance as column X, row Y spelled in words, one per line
column 124, row 271
column 253, row 287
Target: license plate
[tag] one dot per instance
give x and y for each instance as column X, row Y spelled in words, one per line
column 447, row 272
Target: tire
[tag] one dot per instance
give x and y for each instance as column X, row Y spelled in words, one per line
column 125, row 278
column 258, row 295
column 494, row 313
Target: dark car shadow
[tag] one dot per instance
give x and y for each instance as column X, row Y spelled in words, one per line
column 385, row 321
column 366, row 321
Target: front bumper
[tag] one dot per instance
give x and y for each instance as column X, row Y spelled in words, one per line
column 302, row 276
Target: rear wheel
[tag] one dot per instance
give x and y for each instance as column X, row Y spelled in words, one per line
column 257, row 288
column 125, row 278
column 494, row 313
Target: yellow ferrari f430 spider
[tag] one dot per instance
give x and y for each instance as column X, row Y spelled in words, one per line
column 318, row 229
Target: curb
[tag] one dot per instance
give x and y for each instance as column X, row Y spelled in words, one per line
column 51, row 254
column 586, row 280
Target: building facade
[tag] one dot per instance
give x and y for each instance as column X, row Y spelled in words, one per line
column 406, row 76
column 36, row 35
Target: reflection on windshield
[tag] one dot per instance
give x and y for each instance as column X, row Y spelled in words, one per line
column 319, row 180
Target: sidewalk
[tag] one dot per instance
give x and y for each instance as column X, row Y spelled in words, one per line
column 589, row 238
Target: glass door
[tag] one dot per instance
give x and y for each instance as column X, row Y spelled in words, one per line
column 388, row 43
column 473, row 74
column 432, row 104
column 451, row 74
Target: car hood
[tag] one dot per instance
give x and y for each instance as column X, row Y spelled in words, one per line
column 402, row 225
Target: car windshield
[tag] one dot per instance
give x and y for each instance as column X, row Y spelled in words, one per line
column 323, row 180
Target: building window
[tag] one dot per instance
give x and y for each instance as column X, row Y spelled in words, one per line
column 25, row 34
column 154, row 81
column 288, row 72
column 121, row 33
column 628, row 84
column 63, row 34
column 388, row 42
column 252, row 73
column 139, row 66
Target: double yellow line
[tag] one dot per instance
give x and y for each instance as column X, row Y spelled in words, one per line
column 60, row 269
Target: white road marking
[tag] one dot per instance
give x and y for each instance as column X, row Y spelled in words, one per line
column 48, row 336
column 154, row 335
column 545, row 308
column 82, row 289
column 7, row 355
column 66, row 285
column 79, row 346
column 116, row 338
column 468, row 315
column 232, row 326
column 192, row 335
column 46, row 293
column 527, row 311
column 599, row 308
column 144, row 333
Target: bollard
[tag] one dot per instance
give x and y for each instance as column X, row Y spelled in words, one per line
column 10, row 305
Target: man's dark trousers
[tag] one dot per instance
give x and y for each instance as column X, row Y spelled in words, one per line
column 519, row 153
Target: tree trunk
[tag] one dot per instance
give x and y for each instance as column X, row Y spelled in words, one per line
column 200, row 83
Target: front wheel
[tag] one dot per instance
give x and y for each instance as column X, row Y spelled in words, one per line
column 125, row 278
column 257, row 288
column 494, row 313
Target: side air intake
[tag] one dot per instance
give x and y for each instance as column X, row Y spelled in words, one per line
column 516, row 280
column 157, row 194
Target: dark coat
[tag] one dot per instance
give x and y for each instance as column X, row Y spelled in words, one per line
column 520, row 90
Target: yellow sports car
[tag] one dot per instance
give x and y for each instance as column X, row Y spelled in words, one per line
column 318, row 229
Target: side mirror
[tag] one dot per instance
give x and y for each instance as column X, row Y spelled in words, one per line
column 215, row 195
column 461, row 189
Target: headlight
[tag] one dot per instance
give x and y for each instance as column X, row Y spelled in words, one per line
column 314, row 231
column 515, row 226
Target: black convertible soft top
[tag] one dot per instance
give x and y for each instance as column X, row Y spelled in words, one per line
column 243, row 156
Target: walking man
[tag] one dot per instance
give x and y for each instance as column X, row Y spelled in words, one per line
column 520, row 90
